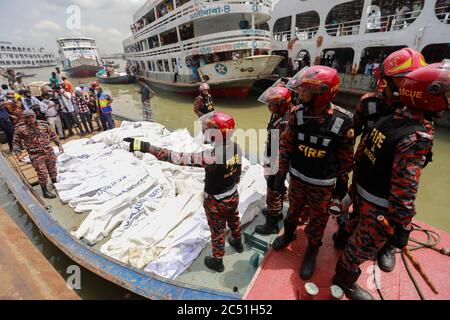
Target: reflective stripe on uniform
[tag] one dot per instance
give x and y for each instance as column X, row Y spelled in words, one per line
column 326, row 142
column 372, row 198
column 223, row 195
column 300, row 120
column 277, row 122
column 301, row 137
column 137, row 145
column 316, row 182
column 337, row 125
column 313, row 139
column 372, row 108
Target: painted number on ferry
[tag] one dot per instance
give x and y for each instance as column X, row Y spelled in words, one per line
column 206, row 11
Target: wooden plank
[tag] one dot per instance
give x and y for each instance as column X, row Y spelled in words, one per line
column 25, row 272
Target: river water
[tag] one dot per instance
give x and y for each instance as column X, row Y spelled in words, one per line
column 176, row 111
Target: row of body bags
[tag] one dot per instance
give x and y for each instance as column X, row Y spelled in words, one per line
column 152, row 211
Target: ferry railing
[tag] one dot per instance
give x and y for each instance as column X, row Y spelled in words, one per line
column 187, row 9
column 282, row 36
column 343, row 28
column 392, row 22
column 228, row 38
column 306, row 33
column 443, row 13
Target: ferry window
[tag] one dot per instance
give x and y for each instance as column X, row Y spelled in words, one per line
column 282, row 29
column 345, row 19
column 340, row 59
column 179, row 3
column 166, row 65
column 391, row 15
column 149, row 65
column 169, row 37
column 160, row 66
column 436, row 52
column 187, row 31
column 153, row 42
column 264, row 26
column 442, row 10
column 164, row 8
column 142, row 65
column 372, row 57
column 306, row 25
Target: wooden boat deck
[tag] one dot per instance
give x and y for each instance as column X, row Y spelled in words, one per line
column 25, row 272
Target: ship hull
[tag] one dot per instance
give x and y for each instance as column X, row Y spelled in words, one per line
column 82, row 71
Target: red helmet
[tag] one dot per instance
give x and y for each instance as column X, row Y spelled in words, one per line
column 427, row 88
column 402, row 62
column 321, row 81
column 277, row 98
column 94, row 84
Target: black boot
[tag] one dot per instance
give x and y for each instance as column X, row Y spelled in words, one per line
column 47, row 194
column 340, row 238
column 215, row 264
column 386, row 258
column 283, row 241
column 346, row 280
column 236, row 243
column 309, row 262
column 271, row 225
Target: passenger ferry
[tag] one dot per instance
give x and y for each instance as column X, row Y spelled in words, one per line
column 176, row 44
column 349, row 35
column 18, row 56
column 79, row 57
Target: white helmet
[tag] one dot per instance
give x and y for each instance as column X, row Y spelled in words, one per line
column 204, row 86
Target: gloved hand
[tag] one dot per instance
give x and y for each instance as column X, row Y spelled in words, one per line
column 400, row 237
column 137, row 145
column 340, row 190
column 277, row 182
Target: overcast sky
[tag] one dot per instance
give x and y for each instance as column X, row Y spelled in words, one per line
column 40, row 22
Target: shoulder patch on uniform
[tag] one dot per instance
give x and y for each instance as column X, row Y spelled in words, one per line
column 344, row 111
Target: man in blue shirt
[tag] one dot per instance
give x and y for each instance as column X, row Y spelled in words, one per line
column 6, row 125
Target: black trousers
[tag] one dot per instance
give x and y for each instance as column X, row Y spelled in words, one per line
column 86, row 119
column 71, row 118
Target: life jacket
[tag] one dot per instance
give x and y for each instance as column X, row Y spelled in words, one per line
column 102, row 103
column 314, row 160
column 221, row 178
column 374, row 168
column 208, row 105
column 280, row 124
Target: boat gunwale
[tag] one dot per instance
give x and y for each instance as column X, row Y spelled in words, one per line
column 142, row 283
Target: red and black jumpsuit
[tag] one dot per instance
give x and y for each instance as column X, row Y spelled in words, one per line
column 317, row 153
column 223, row 167
column 389, row 162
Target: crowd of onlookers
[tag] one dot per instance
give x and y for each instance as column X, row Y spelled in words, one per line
column 68, row 110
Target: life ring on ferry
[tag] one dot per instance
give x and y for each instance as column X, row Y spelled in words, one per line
column 319, row 41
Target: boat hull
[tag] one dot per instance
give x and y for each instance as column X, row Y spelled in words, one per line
column 117, row 80
column 82, row 71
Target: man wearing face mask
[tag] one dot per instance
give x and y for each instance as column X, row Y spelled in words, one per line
column 36, row 137
column 371, row 109
column 387, row 174
column 317, row 151
column 278, row 100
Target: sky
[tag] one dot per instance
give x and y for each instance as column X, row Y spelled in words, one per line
column 39, row 22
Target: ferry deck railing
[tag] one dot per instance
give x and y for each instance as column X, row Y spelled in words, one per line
column 282, row 36
column 392, row 22
column 306, row 33
column 227, row 38
column 443, row 13
column 347, row 28
column 187, row 9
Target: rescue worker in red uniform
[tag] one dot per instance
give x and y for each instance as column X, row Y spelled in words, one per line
column 389, row 163
column 36, row 137
column 278, row 100
column 317, row 151
column 203, row 104
column 371, row 109
column 223, row 168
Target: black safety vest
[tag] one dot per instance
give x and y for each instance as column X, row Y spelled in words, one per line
column 208, row 105
column 275, row 124
column 314, row 159
column 374, row 168
column 224, row 175
column 374, row 108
